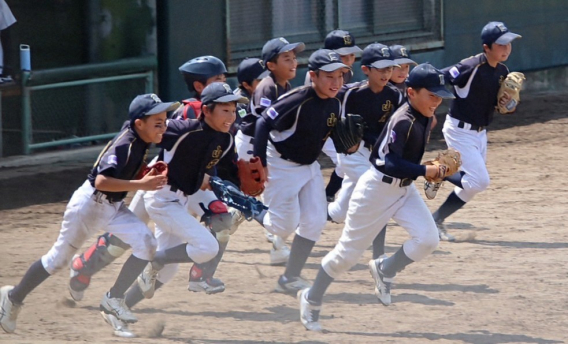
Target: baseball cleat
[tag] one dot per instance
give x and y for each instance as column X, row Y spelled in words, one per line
column 118, row 308
column 431, row 189
column 291, row 285
column 120, row 327
column 309, row 313
column 8, row 310
column 280, row 252
column 382, row 283
column 443, row 232
column 209, row 285
column 147, row 281
column 237, row 218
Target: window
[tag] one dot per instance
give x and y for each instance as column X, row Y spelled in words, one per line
column 250, row 23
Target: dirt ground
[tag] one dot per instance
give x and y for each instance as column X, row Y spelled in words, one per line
column 503, row 284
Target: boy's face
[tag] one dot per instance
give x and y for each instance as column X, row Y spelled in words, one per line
column 327, row 84
column 379, row 77
column 399, row 74
column 285, row 66
column 151, row 128
column 498, row 52
column 348, row 59
column 221, row 117
column 252, row 86
column 199, row 87
column 424, row 101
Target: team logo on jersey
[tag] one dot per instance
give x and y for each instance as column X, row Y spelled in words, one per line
column 347, row 40
column 112, row 160
column 332, row 120
column 454, row 72
column 272, row 113
column 217, row 152
column 265, row 102
column 393, row 136
column 387, row 106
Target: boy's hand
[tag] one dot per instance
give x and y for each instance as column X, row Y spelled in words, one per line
column 205, row 184
column 153, row 180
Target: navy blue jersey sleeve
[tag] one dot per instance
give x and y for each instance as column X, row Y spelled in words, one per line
column 281, row 115
column 176, row 127
column 395, row 165
column 113, row 161
column 460, row 73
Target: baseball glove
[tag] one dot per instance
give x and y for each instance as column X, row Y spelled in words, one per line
column 448, row 162
column 512, row 86
column 160, row 167
column 348, row 132
column 252, row 176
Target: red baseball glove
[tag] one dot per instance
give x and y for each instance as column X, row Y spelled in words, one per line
column 252, row 176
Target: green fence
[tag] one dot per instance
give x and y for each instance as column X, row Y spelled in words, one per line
column 76, row 105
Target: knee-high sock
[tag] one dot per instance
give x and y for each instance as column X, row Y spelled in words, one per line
column 322, row 282
column 379, row 243
column 452, row 204
column 128, row 274
column 334, row 184
column 176, row 254
column 299, row 253
column 35, row 276
column 208, row 268
column 456, row 179
column 396, row 263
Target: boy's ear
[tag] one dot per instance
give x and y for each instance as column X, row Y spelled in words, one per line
column 365, row 70
column 270, row 65
column 198, row 86
column 486, row 48
column 410, row 92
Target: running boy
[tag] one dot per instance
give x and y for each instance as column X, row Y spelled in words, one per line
column 387, row 191
column 288, row 139
column 476, row 82
column 98, row 205
column 279, row 57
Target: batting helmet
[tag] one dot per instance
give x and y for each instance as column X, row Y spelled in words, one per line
column 205, row 66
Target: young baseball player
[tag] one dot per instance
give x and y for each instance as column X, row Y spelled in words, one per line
column 399, row 74
column 197, row 73
column 288, row 139
column 98, row 204
column 375, row 101
column 476, row 81
column 279, row 57
column 343, row 43
column 192, row 148
column 387, row 191
column 249, row 74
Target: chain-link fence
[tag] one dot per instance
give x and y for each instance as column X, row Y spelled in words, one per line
column 250, row 23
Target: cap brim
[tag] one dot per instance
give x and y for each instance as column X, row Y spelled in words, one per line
column 348, row 50
column 507, row 38
column 163, row 107
column 231, row 98
column 296, row 47
column 404, row 60
column 333, row 67
column 441, row 92
column 263, row 75
column 384, row 64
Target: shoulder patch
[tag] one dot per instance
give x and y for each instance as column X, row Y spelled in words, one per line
column 393, row 136
column 265, row 102
column 272, row 113
column 242, row 113
column 454, row 72
column 112, row 160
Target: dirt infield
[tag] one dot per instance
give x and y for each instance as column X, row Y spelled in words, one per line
column 505, row 284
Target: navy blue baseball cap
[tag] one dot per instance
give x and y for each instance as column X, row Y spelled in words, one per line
column 326, row 60
column 497, row 32
column 426, row 76
column 280, row 45
column 342, row 42
column 377, row 55
column 220, row 92
column 147, row 105
column 401, row 55
column 250, row 69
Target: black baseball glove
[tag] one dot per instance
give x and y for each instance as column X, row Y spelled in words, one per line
column 347, row 133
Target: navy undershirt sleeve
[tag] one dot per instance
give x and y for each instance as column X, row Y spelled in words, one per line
column 397, row 167
column 261, row 139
